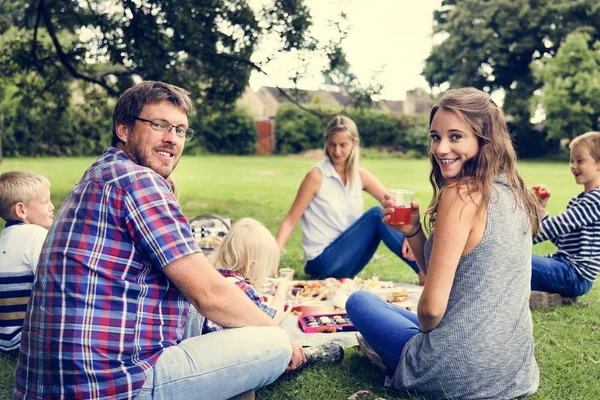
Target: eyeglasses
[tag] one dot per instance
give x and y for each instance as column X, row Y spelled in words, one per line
column 162, row 126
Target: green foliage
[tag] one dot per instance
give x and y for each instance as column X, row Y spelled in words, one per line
column 490, row 45
column 571, row 92
column 205, row 46
column 298, row 130
column 226, row 132
column 530, row 141
column 39, row 123
column 49, row 49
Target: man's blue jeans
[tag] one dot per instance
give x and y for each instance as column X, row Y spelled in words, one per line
column 218, row 365
column 386, row 327
column 556, row 275
column 347, row 255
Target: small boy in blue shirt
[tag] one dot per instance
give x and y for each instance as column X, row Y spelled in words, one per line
column 572, row 269
column 26, row 207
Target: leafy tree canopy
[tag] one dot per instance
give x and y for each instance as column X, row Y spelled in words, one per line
column 205, row 46
column 490, row 44
column 570, row 96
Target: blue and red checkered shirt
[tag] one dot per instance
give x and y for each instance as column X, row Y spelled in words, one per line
column 244, row 284
column 102, row 311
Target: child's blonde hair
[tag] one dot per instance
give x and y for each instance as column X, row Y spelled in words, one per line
column 18, row 187
column 250, row 249
column 344, row 124
column 591, row 141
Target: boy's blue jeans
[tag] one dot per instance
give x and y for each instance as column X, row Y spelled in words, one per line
column 556, row 275
column 386, row 327
column 347, row 255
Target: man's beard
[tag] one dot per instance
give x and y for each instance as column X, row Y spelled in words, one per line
column 139, row 158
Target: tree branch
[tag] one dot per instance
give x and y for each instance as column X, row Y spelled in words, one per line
column 35, row 31
column 262, row 71
column 62, row 57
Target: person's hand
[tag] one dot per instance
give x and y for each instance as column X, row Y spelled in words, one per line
column 298, row 356
column 407, row 252
column 415, row 218
column 283, row 285
column 542, row 192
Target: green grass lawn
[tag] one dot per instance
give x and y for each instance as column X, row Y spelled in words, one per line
column 567, row 338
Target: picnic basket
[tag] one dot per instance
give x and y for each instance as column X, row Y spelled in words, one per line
column 209, row 230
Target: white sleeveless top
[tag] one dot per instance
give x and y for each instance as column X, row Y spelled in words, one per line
column 331, row 212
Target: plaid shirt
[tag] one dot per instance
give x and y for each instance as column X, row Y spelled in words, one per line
column 102, row 311
column 243, row 284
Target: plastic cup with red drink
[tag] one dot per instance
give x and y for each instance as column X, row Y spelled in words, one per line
column 401, row 200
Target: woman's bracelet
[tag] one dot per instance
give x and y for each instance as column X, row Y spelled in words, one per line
column 414, row 233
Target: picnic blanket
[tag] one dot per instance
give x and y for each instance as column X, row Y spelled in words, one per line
column 344, row 339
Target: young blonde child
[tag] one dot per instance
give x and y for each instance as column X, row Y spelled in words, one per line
column 26, row 207
column 572, row 269
column 247, row 256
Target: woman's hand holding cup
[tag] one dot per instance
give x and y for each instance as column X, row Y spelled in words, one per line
column 400, row 211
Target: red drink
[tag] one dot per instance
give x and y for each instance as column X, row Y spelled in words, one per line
column 400, row 216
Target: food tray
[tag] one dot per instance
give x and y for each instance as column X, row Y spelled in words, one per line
column 326, row 323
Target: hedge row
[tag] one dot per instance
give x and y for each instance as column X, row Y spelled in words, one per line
column 297, row 130
column 56, row 127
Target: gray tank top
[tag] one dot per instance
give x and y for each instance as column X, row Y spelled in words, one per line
column 483, row 347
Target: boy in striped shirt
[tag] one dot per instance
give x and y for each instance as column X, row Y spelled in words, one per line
column 26, row 207
column 572, row 269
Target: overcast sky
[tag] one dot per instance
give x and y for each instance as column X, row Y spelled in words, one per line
column 389, row 39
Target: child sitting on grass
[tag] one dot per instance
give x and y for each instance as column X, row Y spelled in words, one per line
column 26, row 207
column 247, row 256
column 572, row 269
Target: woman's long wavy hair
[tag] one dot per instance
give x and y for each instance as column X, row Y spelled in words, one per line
column 344, row 124
column 496, row 155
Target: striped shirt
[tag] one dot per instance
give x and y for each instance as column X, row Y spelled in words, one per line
column 243, row 284
column 14, row 296
column 102, row 311
column 20, row 247
column 576, row 233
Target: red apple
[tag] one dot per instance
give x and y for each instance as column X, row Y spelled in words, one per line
column 541, row 192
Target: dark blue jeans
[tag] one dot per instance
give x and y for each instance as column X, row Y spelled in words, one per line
column 347, row 255
column 386, row 327
column 556, row 275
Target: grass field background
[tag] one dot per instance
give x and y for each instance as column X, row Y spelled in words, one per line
column 567, row 338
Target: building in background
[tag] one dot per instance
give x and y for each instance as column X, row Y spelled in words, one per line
column 263, row 105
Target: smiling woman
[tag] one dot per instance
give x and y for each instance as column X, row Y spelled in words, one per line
column 452, row 142
column 338, row 239
column 477, row 259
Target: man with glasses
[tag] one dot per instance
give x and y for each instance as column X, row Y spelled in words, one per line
column 110, row 300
